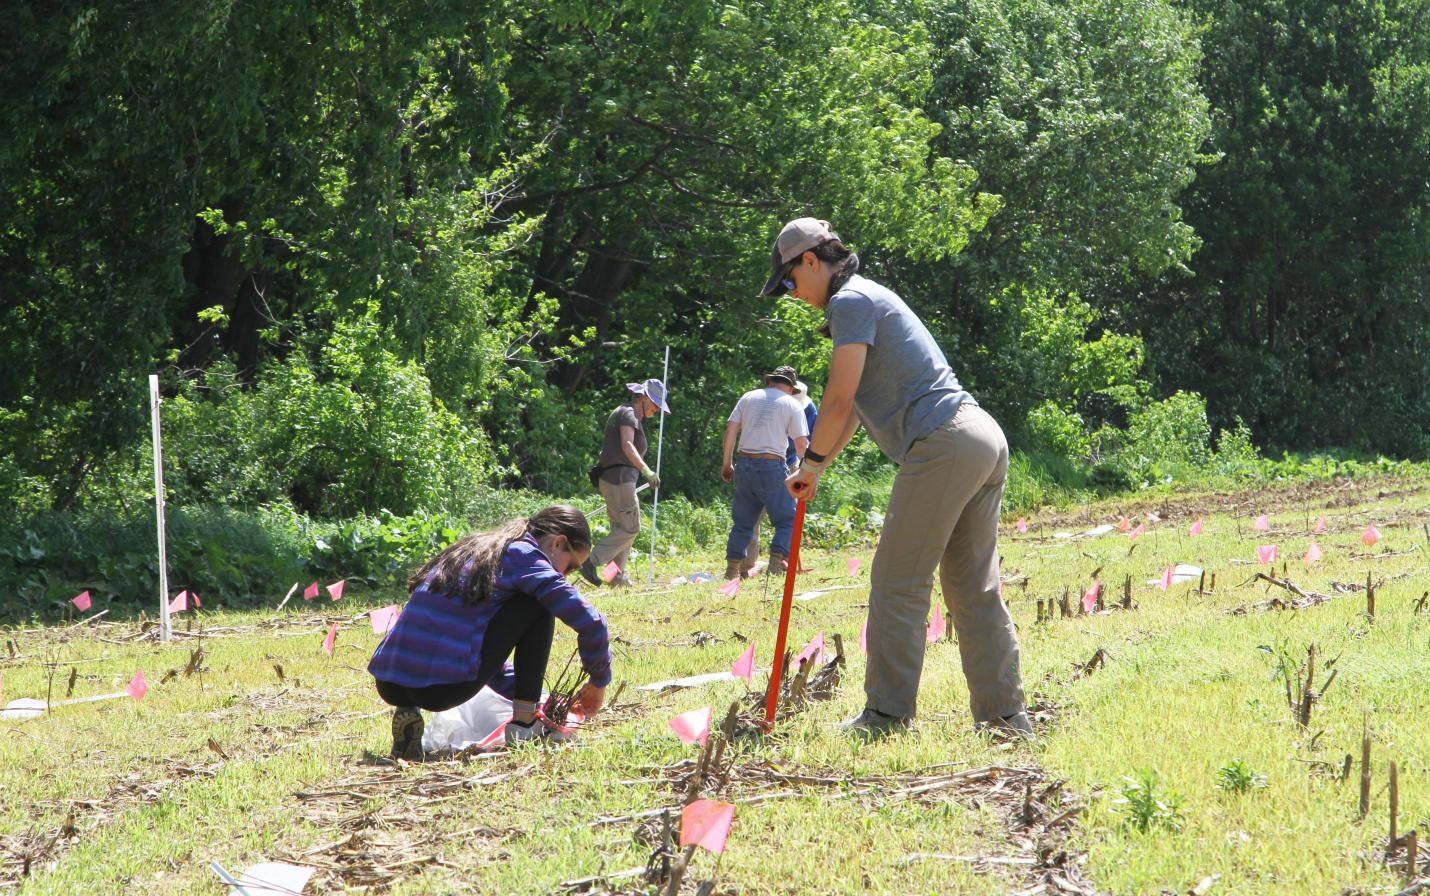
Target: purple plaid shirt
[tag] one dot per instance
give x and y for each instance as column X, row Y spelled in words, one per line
column 438, row 638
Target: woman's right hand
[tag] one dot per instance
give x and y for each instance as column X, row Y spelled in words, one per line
column 803, row 483
column 590, row 698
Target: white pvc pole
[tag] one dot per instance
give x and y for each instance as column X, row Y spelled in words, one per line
column 659, row 444
column 164, row 631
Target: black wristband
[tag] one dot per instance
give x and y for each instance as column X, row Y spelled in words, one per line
column 811, row 455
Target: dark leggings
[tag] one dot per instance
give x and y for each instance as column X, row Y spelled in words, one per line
column 521, row 626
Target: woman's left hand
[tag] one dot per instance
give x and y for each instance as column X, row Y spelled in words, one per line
column 803, row 483
column 590, row 698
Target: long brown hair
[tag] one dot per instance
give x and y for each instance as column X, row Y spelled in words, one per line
column 469, row 565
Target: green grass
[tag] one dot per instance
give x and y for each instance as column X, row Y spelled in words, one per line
column 1186, row 690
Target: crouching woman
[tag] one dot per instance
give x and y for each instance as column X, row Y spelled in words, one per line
column 483, row 599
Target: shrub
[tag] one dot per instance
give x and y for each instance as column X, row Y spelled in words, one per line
column 1238, row 776
column 1147, row 808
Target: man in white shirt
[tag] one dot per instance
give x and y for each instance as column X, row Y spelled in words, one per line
column 764, row 420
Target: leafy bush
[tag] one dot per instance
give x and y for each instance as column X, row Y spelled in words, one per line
column 1238, row 776
column 1147, row 808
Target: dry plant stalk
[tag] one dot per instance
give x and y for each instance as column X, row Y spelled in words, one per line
column 1365, row 768
column 1127, row 593
column 562, row 692
column 1064, row 609
column 1369, row 598
column 1394, row 806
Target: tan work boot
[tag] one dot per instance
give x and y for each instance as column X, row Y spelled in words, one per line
column 779, row 564
column 732, row 569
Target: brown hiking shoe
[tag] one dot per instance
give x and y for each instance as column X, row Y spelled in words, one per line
column 779, row 565
column 732, row 569
column 407, row 733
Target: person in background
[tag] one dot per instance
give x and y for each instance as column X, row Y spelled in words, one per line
column 763, row 420
column 485, row 598
column 887, row 371
column 621, row 464
column 751, row 564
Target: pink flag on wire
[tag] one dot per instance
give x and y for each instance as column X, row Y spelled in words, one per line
column 1136, row 532
column 864, row 638
column 692, row 727
column 1196, row 528
column 935, row 630
column 180, row 603
column 1370, row 536
column 310, row 592
column 1313, row 553
column 138, row 687
column 81, row 601
column 330, row 640
column 813, row 652
column 335, row 590
column 383, row 618
column 730, row 588
column 1266, row 553
column 706, row 823
column 194, row 596
column 744, row 667
column 1022, row 524
column 1089, row 597
column 1263, row 524
column 1321, row 526
column 853, row 566
column 1124, row 524
column 609, row 572
column 1166, row 579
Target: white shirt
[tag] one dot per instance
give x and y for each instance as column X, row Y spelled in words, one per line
column 768, row 419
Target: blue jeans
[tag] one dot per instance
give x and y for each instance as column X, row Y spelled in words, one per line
column 760, row 486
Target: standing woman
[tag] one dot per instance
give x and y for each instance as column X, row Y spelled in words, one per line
column 887, row 371
column 483, row 599
column 622, row 462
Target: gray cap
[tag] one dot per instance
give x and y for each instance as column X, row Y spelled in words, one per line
column 652, row 389
column 797, row 237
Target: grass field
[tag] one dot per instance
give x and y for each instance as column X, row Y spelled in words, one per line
column 239, row 764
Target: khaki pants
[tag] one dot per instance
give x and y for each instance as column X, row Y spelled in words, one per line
column 943, row 511
column 624, row 511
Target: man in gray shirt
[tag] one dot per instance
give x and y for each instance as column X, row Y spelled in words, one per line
column 764, row 420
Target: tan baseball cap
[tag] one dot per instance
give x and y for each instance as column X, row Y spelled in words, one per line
column 796, row 238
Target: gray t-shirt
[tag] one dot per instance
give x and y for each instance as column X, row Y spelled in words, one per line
column 611, row 454
column 907, row 390
column 768, row 419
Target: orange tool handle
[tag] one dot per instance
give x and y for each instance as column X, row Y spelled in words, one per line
column 772, row 696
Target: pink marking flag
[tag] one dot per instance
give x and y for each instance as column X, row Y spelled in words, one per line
column 853, row 566
column 194, row 596
column 1124, row 524
column 180, row 603
column 383, row 618
column 138, row 687
column 864, row 638
column 706, row 823
column 609, row 572
column 935, row 630
column 1370, row 536
column 310, row 592
column 1266, row 553
column 330, row 640
column 335, row 590
column 1263, row 524
column 1196, row 528
column 1313, row 553
column 730, row 588
column 1321, row 526
column 1166, row 579
column 1022, row 524
column 1089, row 597
column 744, row 667
column 1136, row 532
column 692, row 727
column 81, row 601
column 813, row 652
